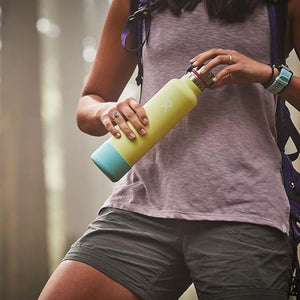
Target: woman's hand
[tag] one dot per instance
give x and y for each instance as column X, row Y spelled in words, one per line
column 238, row 67
column 120, row 113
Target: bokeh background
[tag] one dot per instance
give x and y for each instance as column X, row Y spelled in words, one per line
column 49, row 188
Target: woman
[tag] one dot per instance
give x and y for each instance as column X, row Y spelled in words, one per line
column 206, row 205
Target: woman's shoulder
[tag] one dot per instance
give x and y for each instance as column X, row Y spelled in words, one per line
column 119, row 8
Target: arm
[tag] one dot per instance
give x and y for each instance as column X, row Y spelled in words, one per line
column 109, row 75
column 244, row 70
column 291, row 93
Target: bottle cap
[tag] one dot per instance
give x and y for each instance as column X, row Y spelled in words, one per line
column 201, row 80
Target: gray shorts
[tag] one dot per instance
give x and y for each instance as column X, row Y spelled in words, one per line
column 158, row 259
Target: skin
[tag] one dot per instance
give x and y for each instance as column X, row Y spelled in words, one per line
column 111, row 71
column 95, row 115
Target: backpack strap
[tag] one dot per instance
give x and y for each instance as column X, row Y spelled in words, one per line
column 278, row 22
column 139, row 20
column 286, row 129
column 278, row 10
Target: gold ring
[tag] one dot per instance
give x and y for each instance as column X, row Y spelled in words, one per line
column 230, row 59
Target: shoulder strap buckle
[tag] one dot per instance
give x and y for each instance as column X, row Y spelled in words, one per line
column 142, row 11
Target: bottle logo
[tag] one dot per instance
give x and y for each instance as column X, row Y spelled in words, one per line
column 167, row 104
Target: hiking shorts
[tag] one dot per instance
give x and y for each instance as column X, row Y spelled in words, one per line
column 158, row 259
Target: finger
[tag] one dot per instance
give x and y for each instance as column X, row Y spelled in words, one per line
column 227, row 79
column 135, row 114
column 115, row 115
column 109, row 126
column 120, row 121
column 207, row 55
column 132, row 117
column 139, row 110
column 224, row 76
column 223, row 59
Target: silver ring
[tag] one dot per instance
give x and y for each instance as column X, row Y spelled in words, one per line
column 230, row 59
column 115, row 114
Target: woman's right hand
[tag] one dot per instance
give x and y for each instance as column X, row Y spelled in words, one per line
column 115, row 117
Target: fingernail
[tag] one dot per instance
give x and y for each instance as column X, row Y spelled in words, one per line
column 195, row 63
column 215, row 79
column 143, row 131
column 145, row 121
column 132, row 136
column 118, row 135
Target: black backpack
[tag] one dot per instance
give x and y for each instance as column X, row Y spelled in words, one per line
column 140, row 20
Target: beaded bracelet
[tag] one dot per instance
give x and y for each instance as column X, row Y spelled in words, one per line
column 271, row 79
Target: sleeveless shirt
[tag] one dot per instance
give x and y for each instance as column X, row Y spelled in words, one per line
column 221, row 162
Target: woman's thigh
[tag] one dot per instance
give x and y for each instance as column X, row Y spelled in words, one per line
column 141, row 253
column 75, row 280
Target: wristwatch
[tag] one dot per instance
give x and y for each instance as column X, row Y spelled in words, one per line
column 282, row 80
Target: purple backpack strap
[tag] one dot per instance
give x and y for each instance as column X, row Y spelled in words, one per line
column 139, row 14
column 286, row 129
column 278, row 10
column 139, row 20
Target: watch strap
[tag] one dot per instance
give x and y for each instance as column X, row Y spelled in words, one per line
column 281, row 81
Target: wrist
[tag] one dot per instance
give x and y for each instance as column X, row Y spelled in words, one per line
column 270, row 77
column 283, row 76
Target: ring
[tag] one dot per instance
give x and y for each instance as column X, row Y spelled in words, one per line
column 230, row 59
column 115, row 114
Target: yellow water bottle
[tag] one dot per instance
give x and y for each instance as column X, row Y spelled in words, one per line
column 164, row 110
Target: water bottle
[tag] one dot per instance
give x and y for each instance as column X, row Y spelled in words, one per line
column 164, row 110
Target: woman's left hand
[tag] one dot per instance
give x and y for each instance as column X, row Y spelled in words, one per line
column 238, row 67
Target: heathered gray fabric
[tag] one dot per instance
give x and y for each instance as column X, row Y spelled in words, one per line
column 221, row 161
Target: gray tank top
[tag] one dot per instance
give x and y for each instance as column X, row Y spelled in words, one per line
column 221, row 162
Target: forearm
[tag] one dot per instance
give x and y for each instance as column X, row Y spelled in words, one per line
column 111, row 70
